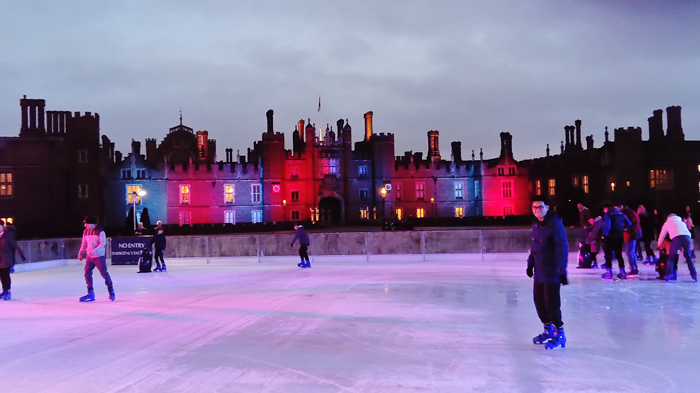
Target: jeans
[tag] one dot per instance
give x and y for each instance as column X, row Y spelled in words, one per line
column 631, row 252
column 101, row 264
column 677, row 243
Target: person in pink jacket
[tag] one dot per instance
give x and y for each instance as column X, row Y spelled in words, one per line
column 92, row 250
column 679, row 234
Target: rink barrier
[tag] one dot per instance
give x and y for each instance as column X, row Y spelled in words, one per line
column 407, row 246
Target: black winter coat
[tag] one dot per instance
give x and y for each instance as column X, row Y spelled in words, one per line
column 549, row 253
column 8, row 247
column 159, row 241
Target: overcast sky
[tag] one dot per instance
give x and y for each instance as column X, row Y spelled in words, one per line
column 469, row 69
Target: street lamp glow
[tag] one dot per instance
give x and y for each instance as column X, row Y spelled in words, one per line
column 382, row 192
column 141, row 193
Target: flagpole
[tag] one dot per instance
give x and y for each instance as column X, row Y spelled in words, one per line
column 320, row 114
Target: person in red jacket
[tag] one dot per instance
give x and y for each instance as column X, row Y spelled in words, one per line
column 632, row 234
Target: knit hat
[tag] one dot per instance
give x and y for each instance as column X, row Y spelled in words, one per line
column 90, row 220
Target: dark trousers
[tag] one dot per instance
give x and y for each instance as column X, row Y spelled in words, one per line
column 548, row 303
column 677, row 243
column 158, row 257
column 614, row 244
column 5, row 278
column 303, row 253
column 647, row 246
column 101, row 264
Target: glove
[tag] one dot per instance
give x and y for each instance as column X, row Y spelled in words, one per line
column 530, row 271
column 563, row 279
column 12, row 269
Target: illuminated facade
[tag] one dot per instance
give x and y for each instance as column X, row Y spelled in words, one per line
column 320, row 179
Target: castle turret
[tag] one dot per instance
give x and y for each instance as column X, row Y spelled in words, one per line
column 151, row 151
column 506, row 145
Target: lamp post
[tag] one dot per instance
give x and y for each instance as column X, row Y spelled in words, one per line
column 284, row 210
column 134, row 194
column 382, row 192
column 432, row 201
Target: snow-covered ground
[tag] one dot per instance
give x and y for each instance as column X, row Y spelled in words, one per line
column 235, row 326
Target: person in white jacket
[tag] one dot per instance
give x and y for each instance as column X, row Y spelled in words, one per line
column 679, row 234
column 92, row 250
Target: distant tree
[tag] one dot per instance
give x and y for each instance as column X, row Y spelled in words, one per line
column 129, row 225
column 145, row 218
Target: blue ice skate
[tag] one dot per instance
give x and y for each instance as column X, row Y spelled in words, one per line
column 90, row 297
column 622, row 274
column 7, row 295
column 558, row 341
column 163, row 268
column 112, row 297
column 607, row 275
column 547, row 334
column 306, row 264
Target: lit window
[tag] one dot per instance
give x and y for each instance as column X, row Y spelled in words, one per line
column 364, row 194
column 7, row 220
column 477, row 189
column 82, row 190
column 575, row 181
column 330, row 166
column 612, row 186
column 508, row 210
column 398, row 191
column 552, row 186
column 256, row 216
column 255, row 193
column 420, row 212
column 132, row 191
column 184, row 193
column 507, row 188
column 627, row 183
column 185, row 218
column 230, row 217
column 295, row 196
column 82, row 156
column 294, row 172
column 459, row 212
column 295, row 215
column 229, row 193
column 420, row 190
column 585, row 183
column 661, row 179
column 362, row 170
column 6, row 184
column 364, row 212
column 399, row 213
column 459, row 190
column 538, row 187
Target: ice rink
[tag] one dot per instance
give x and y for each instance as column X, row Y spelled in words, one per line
column 344, row 327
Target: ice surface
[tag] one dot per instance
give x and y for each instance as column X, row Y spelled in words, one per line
column 344, row 327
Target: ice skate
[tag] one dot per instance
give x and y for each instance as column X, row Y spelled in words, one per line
column 90, row 297
column 558, row 341
column 112, row 297
column 301, row 264
column 306, row 264
column 163, row 268
column 7, row 295
column 157, row 269
column 594, row 265
column 622, row 275
column 547, row 334
column 608, row 275
column 634, row 272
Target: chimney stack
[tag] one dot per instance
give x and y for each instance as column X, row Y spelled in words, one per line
column 368, row 125
column 457, row 151
column 578, row 134
column 656, row 126
column 434, row 145
column 269, row 114
column 135, row 148
column 675, row 129
column 506, row 144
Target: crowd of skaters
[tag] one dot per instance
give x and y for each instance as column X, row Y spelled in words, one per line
column 620, row 231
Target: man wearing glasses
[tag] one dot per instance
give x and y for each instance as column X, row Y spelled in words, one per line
column 549, row 255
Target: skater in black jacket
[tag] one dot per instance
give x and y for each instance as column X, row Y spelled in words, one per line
column 8, row 247
column 158, row 240
column 549, row 256
column 303, row 245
